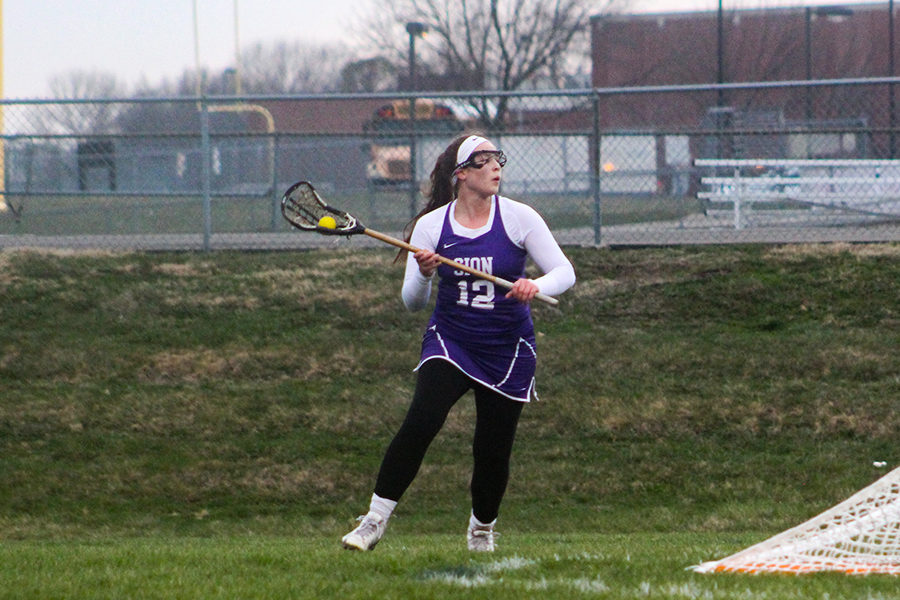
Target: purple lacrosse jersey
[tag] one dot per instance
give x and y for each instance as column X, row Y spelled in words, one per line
column 474, row 326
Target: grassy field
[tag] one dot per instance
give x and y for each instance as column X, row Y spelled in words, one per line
column 208, row 425
column 384, row 209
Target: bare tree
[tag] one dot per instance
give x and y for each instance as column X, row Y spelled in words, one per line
column 488, row 44
column 82, row 118
column 292, row 67
column 376, row 74
column 85, row 84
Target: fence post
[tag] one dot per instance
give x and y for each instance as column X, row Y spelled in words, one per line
column 275, row 192
column 206, row 154
column 595, row 169
column 740, row 190
column 413, row 158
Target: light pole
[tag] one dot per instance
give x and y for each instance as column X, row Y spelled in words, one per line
column 200, row 86
column 237, row 52
column 236, row 71
column 415, row 30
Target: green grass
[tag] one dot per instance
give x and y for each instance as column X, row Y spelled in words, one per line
column 384, row 209
column 139, row 214
column 207, row 425
column 611, row 566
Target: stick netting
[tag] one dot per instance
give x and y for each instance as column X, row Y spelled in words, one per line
column 859, row 536
column 303, row 207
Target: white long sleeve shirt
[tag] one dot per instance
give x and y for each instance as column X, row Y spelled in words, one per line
column 524, row 227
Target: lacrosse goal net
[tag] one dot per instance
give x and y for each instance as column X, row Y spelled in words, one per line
column 858, row 536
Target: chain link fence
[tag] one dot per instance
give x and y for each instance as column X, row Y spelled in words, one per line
column 786, row 162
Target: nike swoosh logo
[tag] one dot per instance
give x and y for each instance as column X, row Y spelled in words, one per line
column 450, row 244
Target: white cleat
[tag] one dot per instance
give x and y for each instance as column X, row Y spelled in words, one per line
column 481, row 538
column 367, row 533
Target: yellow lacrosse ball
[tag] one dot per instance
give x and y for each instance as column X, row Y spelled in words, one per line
column 327, row 222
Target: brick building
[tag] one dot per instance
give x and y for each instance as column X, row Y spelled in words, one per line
column 772, row 44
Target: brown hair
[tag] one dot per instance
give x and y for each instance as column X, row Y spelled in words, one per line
column 441, row 190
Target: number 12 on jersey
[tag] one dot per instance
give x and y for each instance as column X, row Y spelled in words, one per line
column 481, row 292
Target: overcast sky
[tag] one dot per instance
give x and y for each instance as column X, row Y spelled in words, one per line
column 153, row 40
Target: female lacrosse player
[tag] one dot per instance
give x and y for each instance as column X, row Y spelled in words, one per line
column 479, row 337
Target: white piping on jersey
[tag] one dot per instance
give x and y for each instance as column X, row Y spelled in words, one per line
column 515, row 357
column 531, row 388
column 440, row 340
column 494, row 386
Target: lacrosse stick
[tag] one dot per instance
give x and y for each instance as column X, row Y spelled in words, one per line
column 303, row 208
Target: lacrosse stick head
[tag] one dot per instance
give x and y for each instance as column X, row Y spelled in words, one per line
column 302, row 207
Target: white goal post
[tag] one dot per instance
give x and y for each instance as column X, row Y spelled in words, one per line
column 861, row 535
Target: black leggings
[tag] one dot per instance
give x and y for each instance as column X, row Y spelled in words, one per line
column 439, row 385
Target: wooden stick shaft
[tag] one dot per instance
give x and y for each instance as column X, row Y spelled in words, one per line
column 456, row 265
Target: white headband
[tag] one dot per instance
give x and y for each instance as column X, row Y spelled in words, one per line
column 465, row 151
column 467, row 147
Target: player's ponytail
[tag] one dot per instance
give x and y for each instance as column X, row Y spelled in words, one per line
column 441, row 189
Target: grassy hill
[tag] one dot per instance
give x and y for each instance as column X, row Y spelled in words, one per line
column 714, row 390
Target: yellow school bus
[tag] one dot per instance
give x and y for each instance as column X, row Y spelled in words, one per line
column 390, row 131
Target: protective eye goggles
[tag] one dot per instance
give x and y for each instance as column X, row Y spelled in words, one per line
column 478, row 159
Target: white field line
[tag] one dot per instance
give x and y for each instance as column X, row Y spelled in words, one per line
column 492, row 573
